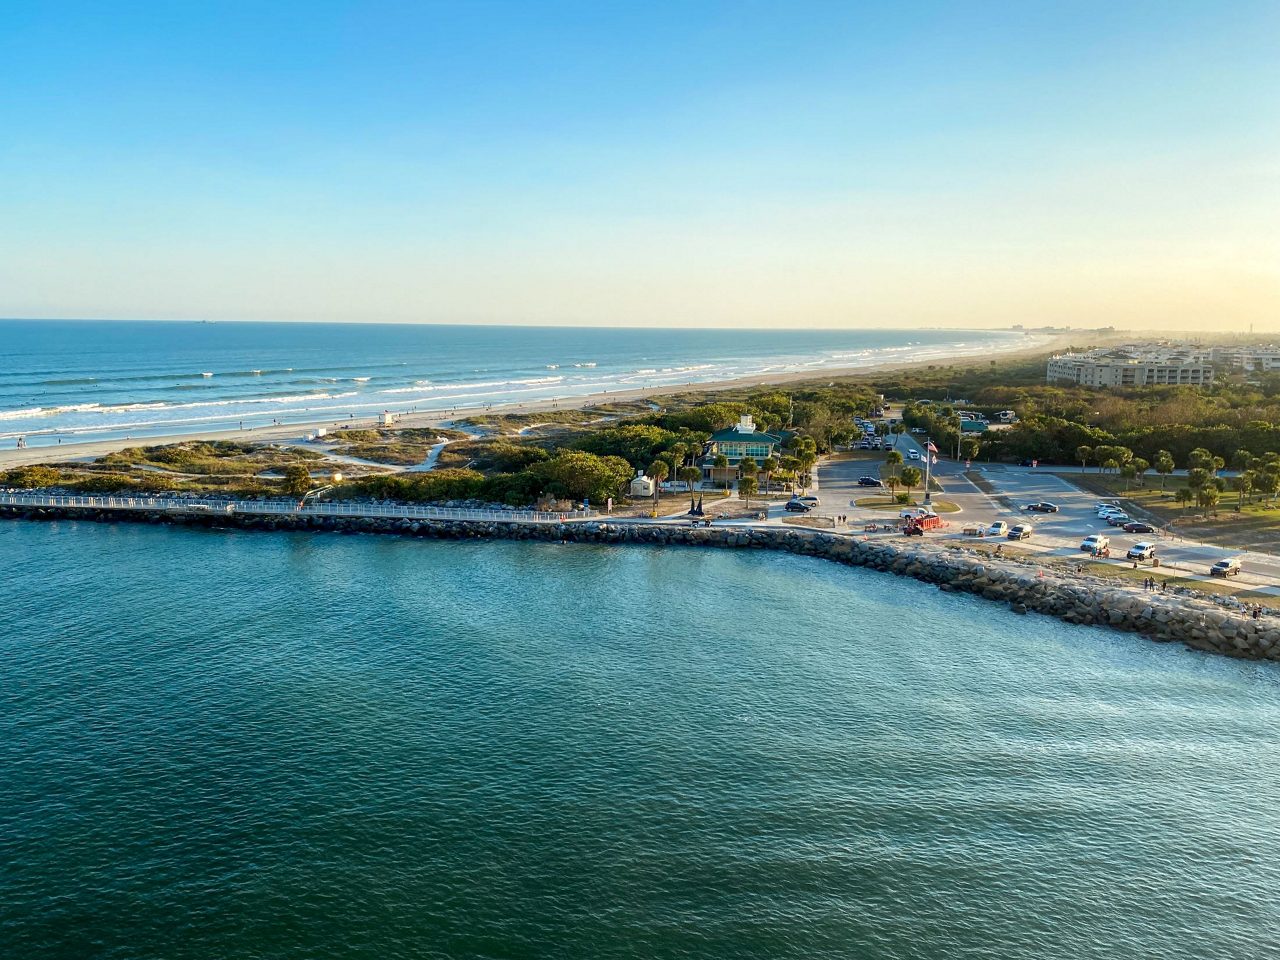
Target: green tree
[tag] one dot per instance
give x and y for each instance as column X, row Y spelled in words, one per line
column 658, row 471
column 969, row 448
column 746, row 487
column 1184, row 496
column 1128, row 472
column 1268, row 483
column 1207, row 498
column 893, row 459
column 1164, row 465
column 898, row 429
column 579, row 475
column 911, row 478
column 1140, row 468
column 1200, row 459
column 1083, row 454
column 1243, row 484
column 689, row 476
column 1242, row 459
column 297, row 480
column 768, row 466
column 748, row 467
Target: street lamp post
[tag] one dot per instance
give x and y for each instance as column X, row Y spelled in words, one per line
column 928, row 459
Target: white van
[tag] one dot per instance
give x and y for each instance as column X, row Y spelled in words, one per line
column 998, row 529
column 1095, row 543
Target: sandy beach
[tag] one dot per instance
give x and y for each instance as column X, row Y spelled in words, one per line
column 91, row 449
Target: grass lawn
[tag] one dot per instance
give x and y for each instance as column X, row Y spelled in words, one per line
column 1254, row 527
column 889, row 503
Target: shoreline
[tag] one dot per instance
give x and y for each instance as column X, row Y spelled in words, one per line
column 84, row 449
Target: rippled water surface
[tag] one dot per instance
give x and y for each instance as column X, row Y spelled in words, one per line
column 238, row 745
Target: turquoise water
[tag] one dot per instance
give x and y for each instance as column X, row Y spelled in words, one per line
column 85, row 380
column 238, row 745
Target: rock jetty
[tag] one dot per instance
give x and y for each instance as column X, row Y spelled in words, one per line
column 1022, row 586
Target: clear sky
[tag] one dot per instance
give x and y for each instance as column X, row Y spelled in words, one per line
column 783, row 164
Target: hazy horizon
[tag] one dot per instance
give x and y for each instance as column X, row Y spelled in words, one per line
column 815, row 165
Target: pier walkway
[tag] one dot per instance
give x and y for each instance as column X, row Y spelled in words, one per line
column 321, row 508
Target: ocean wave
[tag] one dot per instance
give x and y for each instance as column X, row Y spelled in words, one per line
column 471, row 386
column 117, row 408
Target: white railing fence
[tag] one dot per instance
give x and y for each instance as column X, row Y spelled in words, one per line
column 322, row 508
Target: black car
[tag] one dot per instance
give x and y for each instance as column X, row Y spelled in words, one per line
column 1042, row 506
column 1138, row 527
column 795, row 506
column 869, row 482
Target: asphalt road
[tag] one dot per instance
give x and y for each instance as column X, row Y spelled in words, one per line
column 1014, row 487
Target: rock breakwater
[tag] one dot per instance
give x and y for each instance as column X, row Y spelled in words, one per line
column 1024, row 588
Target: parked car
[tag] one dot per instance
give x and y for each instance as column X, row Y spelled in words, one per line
column 1095, row 543
column 998, row 529
column 1229, row 567
column 1025, row 462
column 912, row 513
column 870, row 482
column 1142, row 551
column 1137, row 526
column 795, row 506
column 811, row 500
column 1042, row 506
column 1118, row 519
column 1021, row 531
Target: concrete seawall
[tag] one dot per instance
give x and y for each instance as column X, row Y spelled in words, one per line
column 1024, row 588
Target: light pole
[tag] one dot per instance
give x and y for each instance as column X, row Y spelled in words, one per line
column 928, row 458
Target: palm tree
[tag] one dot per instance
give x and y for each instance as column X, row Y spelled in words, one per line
column 658, row 472
column 894, row 460
column 1207, row 497
column 721, row 463
column 1083, row 454
column 1243, row 484
column 767, row 466
column 746, row 487
column 892, row 483
column 1164, row 465
column 1128, row 471
column 690, row 476
column 911, row 477
column 899, row 429
column 1184, row 497
column 1140, row 467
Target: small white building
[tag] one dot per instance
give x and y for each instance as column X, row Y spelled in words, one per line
column 641, row 486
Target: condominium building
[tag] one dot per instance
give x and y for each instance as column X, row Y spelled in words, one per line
column 1259, row 358
column 1135, row 365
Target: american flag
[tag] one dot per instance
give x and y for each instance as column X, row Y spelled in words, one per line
column 930, row 447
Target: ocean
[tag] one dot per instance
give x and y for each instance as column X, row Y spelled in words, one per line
column 268, row 746
column 90, row 380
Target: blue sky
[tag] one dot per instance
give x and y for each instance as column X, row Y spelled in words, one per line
column 784, row 164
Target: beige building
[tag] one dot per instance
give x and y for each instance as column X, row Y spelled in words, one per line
column 1133, row 366
column 1261, row 358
